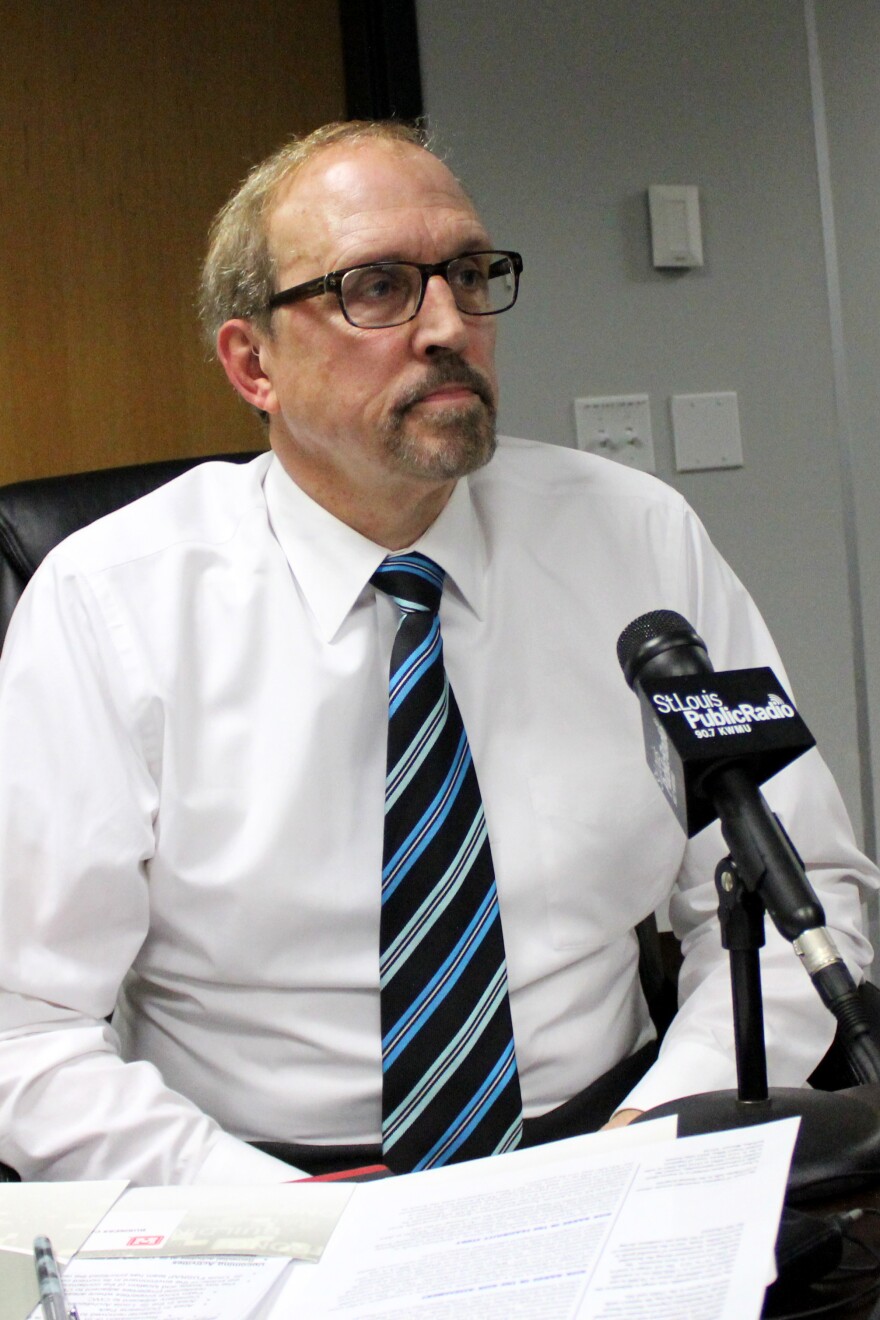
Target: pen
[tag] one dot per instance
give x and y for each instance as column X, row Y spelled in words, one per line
column 52, row 1298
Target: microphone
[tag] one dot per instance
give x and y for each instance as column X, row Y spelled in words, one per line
column 696, row 720
column 711, row 739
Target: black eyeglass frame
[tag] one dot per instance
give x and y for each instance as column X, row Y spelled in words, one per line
column 332, row 283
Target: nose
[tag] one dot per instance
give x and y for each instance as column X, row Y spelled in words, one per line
column 439, row 324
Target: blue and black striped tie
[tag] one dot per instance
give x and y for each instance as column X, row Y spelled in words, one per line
column 450, row 1083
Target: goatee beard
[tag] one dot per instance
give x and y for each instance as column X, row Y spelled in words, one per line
column 448, row 446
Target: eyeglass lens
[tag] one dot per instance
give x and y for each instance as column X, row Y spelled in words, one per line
column 482, row 283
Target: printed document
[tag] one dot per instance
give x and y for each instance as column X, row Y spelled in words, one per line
column 656, row 1232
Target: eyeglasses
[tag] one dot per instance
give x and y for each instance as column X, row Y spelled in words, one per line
column 391, row 292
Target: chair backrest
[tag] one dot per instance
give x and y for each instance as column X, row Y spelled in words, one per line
column 36, row 515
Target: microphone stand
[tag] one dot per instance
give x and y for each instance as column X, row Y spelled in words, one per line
column 741, row 917
column 770, row 868
column 838, row 1144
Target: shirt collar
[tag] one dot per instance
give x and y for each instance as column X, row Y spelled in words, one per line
column 332, row 563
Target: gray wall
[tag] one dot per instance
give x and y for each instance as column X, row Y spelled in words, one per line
column 558, row 117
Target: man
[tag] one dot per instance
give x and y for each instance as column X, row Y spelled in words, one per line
column 217, row 655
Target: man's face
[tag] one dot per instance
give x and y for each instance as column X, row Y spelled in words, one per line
column 413, row 403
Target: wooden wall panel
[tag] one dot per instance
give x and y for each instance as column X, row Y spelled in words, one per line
column 123, row 128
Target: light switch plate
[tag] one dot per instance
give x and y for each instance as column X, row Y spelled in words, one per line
column 617, row 427
column 676, row 233
column 705, row 429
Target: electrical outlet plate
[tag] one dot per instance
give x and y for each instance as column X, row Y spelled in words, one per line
column 617, row 427
column 706, row 431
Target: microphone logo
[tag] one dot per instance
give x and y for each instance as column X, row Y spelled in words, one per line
column 692, row 726
column 709, row 713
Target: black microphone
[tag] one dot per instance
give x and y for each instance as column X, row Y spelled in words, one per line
column 711, row 739
column 696, row 720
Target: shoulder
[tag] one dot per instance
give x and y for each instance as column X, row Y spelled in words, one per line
column 204, row 506
column 538, row 475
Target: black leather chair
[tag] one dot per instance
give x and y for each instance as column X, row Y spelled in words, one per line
column 36, row 515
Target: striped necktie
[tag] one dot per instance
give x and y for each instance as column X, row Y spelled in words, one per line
column 450, row 1086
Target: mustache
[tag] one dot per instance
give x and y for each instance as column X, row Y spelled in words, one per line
column 450, row 370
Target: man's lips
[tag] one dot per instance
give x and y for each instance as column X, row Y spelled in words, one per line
column 448, row 384
column 445, row 394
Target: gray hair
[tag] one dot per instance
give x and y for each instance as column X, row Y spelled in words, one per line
column 238, row 275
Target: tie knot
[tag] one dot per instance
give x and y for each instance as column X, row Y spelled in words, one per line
column 414, row 581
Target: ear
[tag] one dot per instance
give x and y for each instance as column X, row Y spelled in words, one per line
column 238, row 348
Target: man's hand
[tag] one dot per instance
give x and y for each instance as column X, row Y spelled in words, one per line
column 621, row 1118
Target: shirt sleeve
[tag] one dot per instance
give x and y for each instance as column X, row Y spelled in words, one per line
column 697, row 1054
column 79, row 758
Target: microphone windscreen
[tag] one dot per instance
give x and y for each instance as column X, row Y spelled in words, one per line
column 654, row 633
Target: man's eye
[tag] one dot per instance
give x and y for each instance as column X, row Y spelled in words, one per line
column 470, row 277
column 376, row 285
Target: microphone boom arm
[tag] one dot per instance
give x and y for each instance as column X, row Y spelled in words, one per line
column 764, row 854
column 769, row 866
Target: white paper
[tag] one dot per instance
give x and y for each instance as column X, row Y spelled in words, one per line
column 294, row 1288
column 275, row 1219
column 64, row 1212
column 661, row 1231
column 171, row 1288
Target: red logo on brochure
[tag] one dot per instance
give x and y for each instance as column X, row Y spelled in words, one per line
column 144, row 1240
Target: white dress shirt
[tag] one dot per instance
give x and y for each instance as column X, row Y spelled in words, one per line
column 192, row 760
